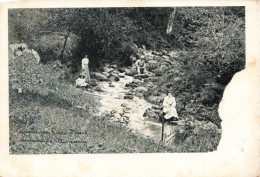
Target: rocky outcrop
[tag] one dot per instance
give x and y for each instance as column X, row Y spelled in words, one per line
column 99, row 76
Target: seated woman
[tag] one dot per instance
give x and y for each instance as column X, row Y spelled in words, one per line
column 169, row 107
column 140, row 64
column 81, row 82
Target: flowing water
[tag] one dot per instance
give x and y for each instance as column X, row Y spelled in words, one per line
column 112, row 100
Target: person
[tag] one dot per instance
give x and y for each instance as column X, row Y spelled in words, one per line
column 80, row 82
column 169, row 107
column 140, row 64
column 85, row 69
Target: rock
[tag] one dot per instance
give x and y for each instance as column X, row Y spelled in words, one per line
column 156, row 107
column 123, row 104
column 177, row 79
column 141, row 76
column 150, row 113
column 106, row 74
column 122, row 74
column 172, row 54
column 154, row 99
column 99, row 89
column 111, row 85
column 166, row 57
column 151, row 66
column 139, row 94
column 99, row 76
column 111, row 78
column 166, row 86
column 151, row 62
column 155, row 53
column 108, row 70
column 127, row 71
column 115, row 74
column 137, row 81
column 93, row 83
column 164, row 52
column 113, row 66
column 152, row 79
column 117, row 79
column 163, row 68
column 133, row 71
column 128, row 97
column 141, row 89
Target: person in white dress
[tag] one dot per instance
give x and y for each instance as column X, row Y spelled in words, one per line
column 140, row 66
column 169, row 107
column 85, row 69
column 80, row 82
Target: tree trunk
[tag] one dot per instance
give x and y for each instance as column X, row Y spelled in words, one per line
column 171, row 20
column 64, row 45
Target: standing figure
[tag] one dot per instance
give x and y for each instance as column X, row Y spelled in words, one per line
column 85, row 68
column 140, row 64
column 169, row 107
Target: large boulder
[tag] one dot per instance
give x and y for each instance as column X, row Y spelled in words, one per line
column 99, row 76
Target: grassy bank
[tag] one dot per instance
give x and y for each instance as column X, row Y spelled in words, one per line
column 40, row 125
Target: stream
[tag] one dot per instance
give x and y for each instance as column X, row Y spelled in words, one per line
column 112, row 100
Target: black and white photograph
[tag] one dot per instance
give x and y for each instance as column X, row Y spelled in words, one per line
column 120, row 80
column 126, row 88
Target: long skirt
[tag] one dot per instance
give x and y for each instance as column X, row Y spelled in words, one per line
column 170, row 112
column 85, row 72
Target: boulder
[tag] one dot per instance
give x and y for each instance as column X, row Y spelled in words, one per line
column 139, row 94
column 111, row 78
column 111, row 85
column 123, row 104
column 128, row 97
column 166, row 57
column 115, row 74
column 141, row 89
column 150, row 113
column 163, row 68
column 137, row 81
column 99, row 89
column 151, row 62
column 177, row 79
column 127, row 71
column 106, row 74
column 93, row 83
column 108, row 70
column 122, row 74
column 166, row 86
column 99, row 76
column 141, row 76
column 154, row 99
column 113, row 66
column 156, row 107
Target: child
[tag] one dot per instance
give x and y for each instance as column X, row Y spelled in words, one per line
column 80, row 82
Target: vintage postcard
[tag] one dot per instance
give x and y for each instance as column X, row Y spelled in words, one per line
column 126, row 88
